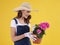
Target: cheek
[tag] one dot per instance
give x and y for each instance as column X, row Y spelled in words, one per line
column 23, row 15
column 27, row 14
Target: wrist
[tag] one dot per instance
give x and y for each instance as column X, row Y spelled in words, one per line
column 24, row 35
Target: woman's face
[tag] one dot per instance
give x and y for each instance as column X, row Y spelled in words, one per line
column 25, row 13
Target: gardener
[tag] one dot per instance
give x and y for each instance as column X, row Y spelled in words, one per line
column 20, row 26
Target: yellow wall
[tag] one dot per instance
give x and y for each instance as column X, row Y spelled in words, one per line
column 49, row 10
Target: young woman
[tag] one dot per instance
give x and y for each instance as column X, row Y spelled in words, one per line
column 20, row 26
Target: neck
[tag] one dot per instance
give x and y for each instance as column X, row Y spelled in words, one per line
column 21, row 18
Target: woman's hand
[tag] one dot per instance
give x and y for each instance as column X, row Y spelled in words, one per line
column 30, row 35
column 34, row 37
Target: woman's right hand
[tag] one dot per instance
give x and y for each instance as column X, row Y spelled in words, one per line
column 30, row 35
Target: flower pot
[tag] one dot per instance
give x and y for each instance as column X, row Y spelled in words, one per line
column 38, row 41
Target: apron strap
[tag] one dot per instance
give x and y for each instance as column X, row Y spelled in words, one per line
column 15, row 20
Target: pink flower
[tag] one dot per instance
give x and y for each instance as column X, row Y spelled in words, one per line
column 39, row 31
column 44, row 25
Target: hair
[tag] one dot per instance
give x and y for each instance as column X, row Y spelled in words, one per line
column 26, row 20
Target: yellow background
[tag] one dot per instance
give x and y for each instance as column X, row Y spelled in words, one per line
column 49, row 10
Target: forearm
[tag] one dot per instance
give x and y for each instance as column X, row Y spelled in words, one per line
column 16, row 38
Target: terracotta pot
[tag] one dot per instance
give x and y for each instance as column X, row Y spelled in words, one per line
column 38, row 41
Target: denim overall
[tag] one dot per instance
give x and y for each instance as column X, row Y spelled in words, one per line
column 21, row 29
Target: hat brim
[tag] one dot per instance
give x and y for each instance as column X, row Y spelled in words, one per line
column 21, row 8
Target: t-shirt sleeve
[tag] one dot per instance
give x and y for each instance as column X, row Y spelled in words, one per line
column 12, row 24
column 29, row 25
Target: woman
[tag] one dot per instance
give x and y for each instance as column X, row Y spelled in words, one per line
column 20, row 26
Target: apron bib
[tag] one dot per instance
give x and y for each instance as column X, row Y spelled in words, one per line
column 21, row 29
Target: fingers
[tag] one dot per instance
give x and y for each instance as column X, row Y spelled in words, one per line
column 33, row 37
column 30, row 35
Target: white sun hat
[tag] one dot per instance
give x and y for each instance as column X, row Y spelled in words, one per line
column 24, row 6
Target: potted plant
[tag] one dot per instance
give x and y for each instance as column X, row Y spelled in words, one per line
column 39, row 31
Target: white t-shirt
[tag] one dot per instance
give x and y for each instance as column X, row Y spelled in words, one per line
column 13, row 23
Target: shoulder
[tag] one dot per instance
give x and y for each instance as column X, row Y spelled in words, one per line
column 14, row 20
column 29, row 25
column 12, row 23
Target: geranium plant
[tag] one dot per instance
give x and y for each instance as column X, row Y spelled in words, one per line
column 39, row 29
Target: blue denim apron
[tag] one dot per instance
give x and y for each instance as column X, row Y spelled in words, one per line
column 21, row 29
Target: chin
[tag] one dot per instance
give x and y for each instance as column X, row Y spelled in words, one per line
column 25, row 17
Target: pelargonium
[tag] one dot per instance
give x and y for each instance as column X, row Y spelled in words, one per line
column 44, row 25
column 39, row 29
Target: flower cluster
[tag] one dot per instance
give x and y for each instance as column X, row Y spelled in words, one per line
column 39, row 29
